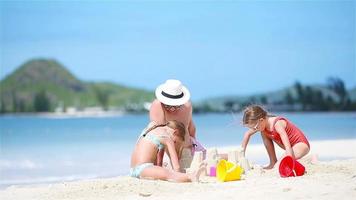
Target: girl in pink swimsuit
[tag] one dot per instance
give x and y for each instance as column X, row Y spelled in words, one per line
column 274, row 129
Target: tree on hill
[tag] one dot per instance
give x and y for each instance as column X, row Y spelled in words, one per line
column 102, row 97
column 263, row 100
column 338, row 86
column 289, row 98
column 41, row 102
column 300, row 94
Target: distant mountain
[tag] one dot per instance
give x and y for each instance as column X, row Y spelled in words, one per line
column 271, row 97
column 43, row 84
column 314, row 97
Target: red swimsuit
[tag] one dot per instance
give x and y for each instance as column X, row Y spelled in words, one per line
column 295, row 135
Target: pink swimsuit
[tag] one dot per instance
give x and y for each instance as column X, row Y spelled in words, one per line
column 295, row 135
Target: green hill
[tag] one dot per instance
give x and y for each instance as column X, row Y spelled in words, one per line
column 42, row 85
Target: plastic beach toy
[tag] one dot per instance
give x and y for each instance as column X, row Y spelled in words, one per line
column 228, row 171
column 299, row 168
column 286, row 167
column 289, row 167
column 212, row 171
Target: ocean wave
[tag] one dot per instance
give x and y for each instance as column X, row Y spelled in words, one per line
column 19, row 164
column 49, row 179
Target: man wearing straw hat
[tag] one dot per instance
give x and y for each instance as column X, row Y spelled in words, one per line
column 172, row 103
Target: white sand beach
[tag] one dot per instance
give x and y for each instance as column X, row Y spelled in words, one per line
column 331, row 179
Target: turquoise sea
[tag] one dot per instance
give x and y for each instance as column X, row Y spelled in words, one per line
column 37, row 149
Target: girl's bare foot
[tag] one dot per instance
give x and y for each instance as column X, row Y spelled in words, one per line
column 194, row 176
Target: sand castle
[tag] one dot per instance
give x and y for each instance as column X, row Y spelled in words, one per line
column 235, row 156
column 186, row 158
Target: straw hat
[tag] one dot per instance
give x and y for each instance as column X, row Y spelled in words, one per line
column 172, row 93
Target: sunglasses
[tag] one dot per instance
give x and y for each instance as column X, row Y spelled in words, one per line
column 168, row 107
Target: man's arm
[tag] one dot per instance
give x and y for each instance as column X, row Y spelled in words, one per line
column 191, row 125
column 191, row 128
column 156, row 112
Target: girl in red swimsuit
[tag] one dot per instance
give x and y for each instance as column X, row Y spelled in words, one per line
column 274, row 129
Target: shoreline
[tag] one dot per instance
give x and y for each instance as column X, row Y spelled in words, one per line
column 84, row 114
column 331, row 149
column 78, row 114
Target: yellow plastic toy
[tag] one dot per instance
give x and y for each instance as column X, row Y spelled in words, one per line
column 228, row 171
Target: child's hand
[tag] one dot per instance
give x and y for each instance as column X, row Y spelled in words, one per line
column 241, row 152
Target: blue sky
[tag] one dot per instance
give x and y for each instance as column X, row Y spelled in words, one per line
column 214, row 47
